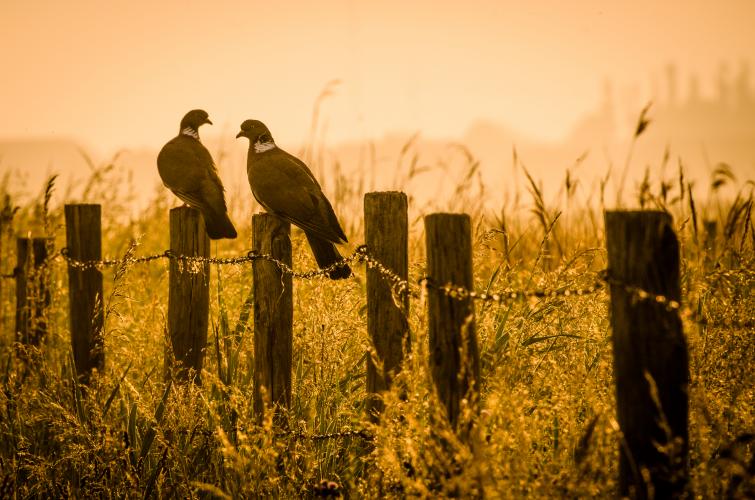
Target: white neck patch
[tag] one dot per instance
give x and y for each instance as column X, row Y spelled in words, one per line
column 190, row 132
column 261, row 147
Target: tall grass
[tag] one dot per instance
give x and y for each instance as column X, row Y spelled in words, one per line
column 546, row 429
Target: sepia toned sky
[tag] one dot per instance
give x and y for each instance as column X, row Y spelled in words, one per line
column 121, row 73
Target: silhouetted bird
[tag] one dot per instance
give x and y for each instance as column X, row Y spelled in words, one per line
column 187, row 169
column 284, row 186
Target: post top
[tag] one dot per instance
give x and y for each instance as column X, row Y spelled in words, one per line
column 375, row 194
column 447, row 215
column 637, row 215
column 623, row 211
column 83, row 205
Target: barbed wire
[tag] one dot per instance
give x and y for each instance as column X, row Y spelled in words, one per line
column 641, row 294
column 84, row 265
column 402, row 286
column 672, row 305
column 603, row 278
column 360, row 433
column 507, row 295
column 637, row 293
column 363, row 434
column 193, row 262
column 398, row 284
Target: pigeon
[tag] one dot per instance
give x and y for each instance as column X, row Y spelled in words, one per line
column 285, row 186
column 187, row 169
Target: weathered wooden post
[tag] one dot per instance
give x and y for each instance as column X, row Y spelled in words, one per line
column 650, row 354
column 188, row 296
column 84, row 243
column 454, row 355
column 7, row 212
column 32, row 291
column 386, row 229
column 273, row 314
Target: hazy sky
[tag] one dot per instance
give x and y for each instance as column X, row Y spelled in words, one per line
column 120, row 74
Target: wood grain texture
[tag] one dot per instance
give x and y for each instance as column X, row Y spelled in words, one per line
column 84, row 242
column 32, row 289
column 273, row 314
column 454, row 355
column 647, row 339
column 386, row 229
column 189, row 295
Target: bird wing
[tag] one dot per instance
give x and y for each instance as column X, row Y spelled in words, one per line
column 284, row 185
column 187, row 169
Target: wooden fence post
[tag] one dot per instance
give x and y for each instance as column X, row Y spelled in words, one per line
column 188, row 297
column 650, row 354
column 386, row 232
column 7, row 212
column 84, row 243
column 455, row 359
column 32, row 290
column 273, row 314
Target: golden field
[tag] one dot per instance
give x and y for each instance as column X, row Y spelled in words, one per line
column 547, row 425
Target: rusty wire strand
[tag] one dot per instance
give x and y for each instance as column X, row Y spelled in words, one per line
column 192, row 262
column 401, row 286
column 347, row 433
column 360, row 433
column 507, row 295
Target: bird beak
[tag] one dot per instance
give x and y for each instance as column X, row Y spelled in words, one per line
column 208, row 121
column 240, row 134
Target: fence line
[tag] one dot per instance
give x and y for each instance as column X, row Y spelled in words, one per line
column 401, row 286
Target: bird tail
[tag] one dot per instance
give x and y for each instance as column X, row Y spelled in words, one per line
column 326, row 254
column 219, row 225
